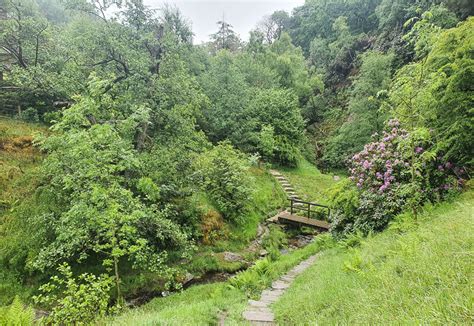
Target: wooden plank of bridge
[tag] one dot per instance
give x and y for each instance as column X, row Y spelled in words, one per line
column 286, row 217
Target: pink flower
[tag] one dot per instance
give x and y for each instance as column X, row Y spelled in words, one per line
column 418, row 150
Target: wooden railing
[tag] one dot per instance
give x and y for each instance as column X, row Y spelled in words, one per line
column 306, row 207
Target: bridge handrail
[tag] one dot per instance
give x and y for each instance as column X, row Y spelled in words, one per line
column 308, row 209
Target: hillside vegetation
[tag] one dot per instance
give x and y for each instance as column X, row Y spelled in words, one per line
column 136, row 162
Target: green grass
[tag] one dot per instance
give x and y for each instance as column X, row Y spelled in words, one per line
column 199, row 305
column 205, row 304
column 414, row 273
column 309, row 183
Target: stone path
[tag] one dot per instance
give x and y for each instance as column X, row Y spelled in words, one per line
column 259, row 312
column 287, row 187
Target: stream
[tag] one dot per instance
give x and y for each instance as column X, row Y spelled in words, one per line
column 298, row 241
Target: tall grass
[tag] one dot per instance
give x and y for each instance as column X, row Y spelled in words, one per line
column 414, row 273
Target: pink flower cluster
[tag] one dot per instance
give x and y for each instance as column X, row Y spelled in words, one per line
column 379, row 165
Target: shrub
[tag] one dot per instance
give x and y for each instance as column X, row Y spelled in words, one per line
column 75, row 300
column 222, row 173
column 397, row 172
column 30, row 114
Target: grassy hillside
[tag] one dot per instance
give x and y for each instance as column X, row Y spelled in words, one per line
column 414, row 273
column 17, row 158
column 309, row 182
column 19, row 161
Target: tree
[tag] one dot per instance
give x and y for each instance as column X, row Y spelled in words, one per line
column 222, row 173
column 229, row 94
column 92, row 204
column 434, row 93
column 272, row 26
column 277, row 120
column 225, row 38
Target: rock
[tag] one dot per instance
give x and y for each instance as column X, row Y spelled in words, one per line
column 232, row 257
column 165, row 293
column 283, row 251
column 336, row 178
column 188, row 278
column 263, row 253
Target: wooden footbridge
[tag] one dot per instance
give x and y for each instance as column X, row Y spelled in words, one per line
column 308, row 216
column 301, row 212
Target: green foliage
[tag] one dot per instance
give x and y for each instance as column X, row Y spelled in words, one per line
column 16, row 314
column 260, row 275
column 225, row 86
column 89, row 205
column 278, row 110
column 433, row 93
column 222, row 173
column 343, row 197
column 72, row 300
column 30, row 114
column 363, row 116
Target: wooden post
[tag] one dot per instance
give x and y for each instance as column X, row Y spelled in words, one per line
column 291, row 206
column 309, row 210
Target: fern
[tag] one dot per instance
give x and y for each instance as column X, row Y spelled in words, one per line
column 17, row 314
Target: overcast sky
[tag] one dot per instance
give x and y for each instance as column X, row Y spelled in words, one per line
column 242, row 14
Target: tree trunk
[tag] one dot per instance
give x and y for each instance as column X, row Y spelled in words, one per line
column 117, row 282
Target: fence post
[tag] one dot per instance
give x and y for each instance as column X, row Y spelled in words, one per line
column 291, row 206
column 309, row 210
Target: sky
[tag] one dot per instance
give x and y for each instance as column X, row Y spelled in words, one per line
column 242, row 14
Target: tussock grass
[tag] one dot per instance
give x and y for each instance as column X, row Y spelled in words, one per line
column 414, row 273
column 17, row 158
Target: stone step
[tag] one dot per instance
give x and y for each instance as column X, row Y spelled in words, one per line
column 264, row 309
column 280, row 285
column 259, row 316
column 259, row 312
column 259, row 304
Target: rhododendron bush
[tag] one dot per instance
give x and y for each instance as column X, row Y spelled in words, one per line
column 399, row 171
